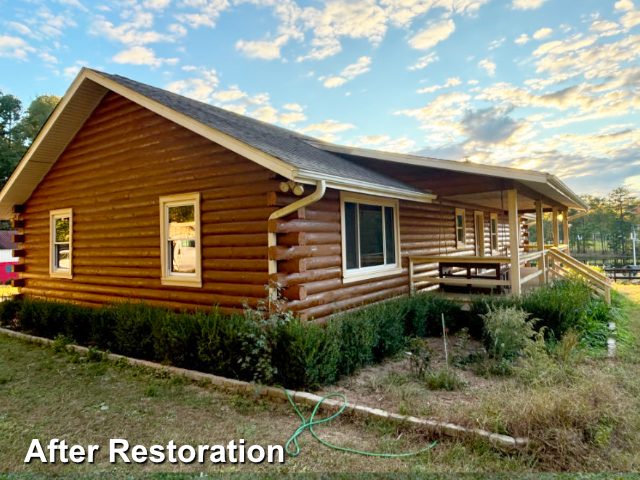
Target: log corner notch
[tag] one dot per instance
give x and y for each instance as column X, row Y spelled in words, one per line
column 292, row 211
column 17, row 209
column 17, row 223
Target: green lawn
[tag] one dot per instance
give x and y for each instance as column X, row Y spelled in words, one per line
column 47, row 395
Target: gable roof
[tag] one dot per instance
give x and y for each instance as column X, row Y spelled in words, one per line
column 293, row 155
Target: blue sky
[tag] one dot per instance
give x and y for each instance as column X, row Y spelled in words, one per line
column 541, row 84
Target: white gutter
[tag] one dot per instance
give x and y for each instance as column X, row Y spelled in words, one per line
column 272, row 240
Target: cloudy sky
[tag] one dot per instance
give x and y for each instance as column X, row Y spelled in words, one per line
column 539, row 84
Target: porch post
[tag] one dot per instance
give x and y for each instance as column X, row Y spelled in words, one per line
column 542, row 262
column 514, row 247
column 556, row 230
column 565, row 229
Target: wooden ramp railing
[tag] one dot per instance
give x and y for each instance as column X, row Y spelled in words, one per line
column 563, row 265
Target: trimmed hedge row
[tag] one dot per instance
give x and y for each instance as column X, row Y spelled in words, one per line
column 282, row 351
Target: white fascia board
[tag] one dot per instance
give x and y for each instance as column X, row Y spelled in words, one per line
column 350, row 185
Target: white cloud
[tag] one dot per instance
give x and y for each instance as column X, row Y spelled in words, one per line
column 72, row 71
column 605, row 28
column 156, row 4
column 291, row 118
column 328, row 126
column 136, row 32
column 199, row 88
column 451, row 82
column 542, row 33
column 333, row 82
column 349, row 73
column 265, row 114
column 424, row 61
column 20, row 28
column 47, row 58
column 294, row 107
column 263, row 49
column 139, row 55
column 522, row 39
column 489, row 66
column 497, row 43
column 231, row 95
column 624, row 6
column 432, row 35
column 14, row 47
column 358, row 68
column 208, row 12
column 631, row 19
column 527, row 4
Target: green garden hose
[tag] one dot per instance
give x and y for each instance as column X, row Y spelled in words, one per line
column 310, row 424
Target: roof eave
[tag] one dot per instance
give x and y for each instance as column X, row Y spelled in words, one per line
column 350, row 185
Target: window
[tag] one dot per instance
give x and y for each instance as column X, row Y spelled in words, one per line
column 494, row 232
column 180, row 237
column 61, row 243
column 460, row 228
column 370, row 240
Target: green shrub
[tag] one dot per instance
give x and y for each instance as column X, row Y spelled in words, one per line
column 508, row 331
column 175, row 339
column 9, row 310
column 307, row 355
column 358, row 338
column 424, row 315
column 420, row 353
column 444, row 378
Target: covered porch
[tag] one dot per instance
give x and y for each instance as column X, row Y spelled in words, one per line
column 519, row 267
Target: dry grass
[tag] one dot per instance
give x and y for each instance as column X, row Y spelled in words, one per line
column 585, row 418
column 46, row 395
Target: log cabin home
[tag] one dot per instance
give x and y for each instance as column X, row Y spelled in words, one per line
column 131, row 192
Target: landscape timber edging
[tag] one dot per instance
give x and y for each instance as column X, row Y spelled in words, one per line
column 276, row 394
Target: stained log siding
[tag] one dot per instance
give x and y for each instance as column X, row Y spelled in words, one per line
column 112, row 175
column 310, row 252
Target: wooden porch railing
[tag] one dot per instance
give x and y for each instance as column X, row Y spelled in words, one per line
column 561, row 266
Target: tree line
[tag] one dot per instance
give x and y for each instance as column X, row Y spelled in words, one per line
column 18, row 128
column 604, row 230
column 608, row 227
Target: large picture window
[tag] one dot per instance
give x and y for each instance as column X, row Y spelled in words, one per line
column 369, row 236
column 61, row 243
column 180, row 237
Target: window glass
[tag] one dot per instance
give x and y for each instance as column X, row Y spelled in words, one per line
column 61, row 244
column 62, row 230
column 181, row 238
column 351, row 234
column 369, row 235
column 390, row 234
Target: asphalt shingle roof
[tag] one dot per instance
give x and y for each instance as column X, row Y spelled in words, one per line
column 290, row 147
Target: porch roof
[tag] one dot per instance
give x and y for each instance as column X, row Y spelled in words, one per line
column 466, row 181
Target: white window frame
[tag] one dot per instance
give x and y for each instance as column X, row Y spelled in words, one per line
column 53, row 216
column 461, row 212
column 365, row 273
column 172, row 278
column 494, row 217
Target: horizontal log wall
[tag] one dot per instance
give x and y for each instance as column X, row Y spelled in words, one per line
column 112, row 175
column 312, row 256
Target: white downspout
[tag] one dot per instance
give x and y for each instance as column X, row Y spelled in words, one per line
column 272, row 240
